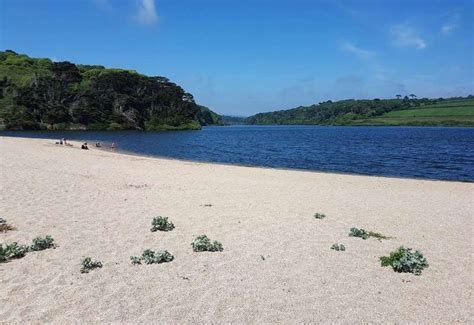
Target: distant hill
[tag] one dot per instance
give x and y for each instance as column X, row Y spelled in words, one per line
column 453, row 111
column 36, row 93
column 232, row 120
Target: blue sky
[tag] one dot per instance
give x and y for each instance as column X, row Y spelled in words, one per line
column 241, row 57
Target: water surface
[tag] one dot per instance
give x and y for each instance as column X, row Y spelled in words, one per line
column 421, row 152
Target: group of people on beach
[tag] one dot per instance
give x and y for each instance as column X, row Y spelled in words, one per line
column 84, row 146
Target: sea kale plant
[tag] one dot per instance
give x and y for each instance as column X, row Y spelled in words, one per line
column 338, row 247
column 405, row 260
column 11, row 251
column 40, row 244
column 319, row 216
column 204, row 244
column 161, row 224
column 364, row 234
column 152, row 257
column 4, row 226
column 88, row 265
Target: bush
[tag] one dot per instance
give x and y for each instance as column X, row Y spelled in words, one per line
column 11, row 251
column 338, row 247
column 405, row 260
column 4, row 226
column 40, row 244
column 151, row 257
column 203, row 244
column 364, row 234
column 88, row 265
column 319, row 216
column 161, row 224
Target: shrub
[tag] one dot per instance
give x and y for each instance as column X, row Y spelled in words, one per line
column 152, row 257
column 203, row 244
column 319, row 216
column 405, row 260
column 4, row 226
column 11, row 251
column 364, row 234
column 161, row 224
column 338, row 247
column 88, row 265
column 40, row 244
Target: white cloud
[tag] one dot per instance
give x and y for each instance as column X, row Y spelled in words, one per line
column 357, row 51
column 447, row 29
column 147, row 12
column 404, row 35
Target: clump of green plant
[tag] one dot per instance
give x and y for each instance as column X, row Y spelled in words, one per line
column 40, row 244
column 11, row 251
column 161, row 224
column 4, row 226
column 204, row 244
column 319, row 216
column 338, row 247
column 364, row 234
column 405, row 260
column 88, row 265
column 152, row 257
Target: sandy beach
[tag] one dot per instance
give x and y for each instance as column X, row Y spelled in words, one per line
column 277, row 265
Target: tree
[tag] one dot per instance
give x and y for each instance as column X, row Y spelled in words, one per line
column 398, row 96
column 412, row 96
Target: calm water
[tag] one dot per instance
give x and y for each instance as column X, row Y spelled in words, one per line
column 421, row 152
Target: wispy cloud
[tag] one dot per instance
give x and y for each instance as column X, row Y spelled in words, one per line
column 146, row 14
column 447, row 29
column 405, row 35
column 357, row 51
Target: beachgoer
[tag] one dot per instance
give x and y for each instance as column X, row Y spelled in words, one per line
column 84, row 146
column 97, row 144
column 60, row 141
column 112, row 146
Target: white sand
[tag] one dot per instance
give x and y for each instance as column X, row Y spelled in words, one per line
column 101, row 204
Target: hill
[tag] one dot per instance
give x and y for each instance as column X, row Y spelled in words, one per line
column 454, row 111
column 36, row 93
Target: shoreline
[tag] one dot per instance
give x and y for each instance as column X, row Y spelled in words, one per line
column 131, row 153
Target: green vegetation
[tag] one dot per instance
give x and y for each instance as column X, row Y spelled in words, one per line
column 11, row 251
column 405, row 260
column 161, row 224
column 204, row 244
column 152, row 257
column 454, row 111
column 319, row 216
column 38, row 94
column 364, row 234
column 88, row 265
column 40, row 244
column 338, row 247
column 4, row 226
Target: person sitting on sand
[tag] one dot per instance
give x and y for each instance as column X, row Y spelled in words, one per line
column 60, row 141
column 97, row 144
column 84, row 146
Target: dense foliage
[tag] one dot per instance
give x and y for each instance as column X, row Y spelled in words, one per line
column 161, row 224
column 361, row 112
column 405, row 260
column 152, row 257
column 88, row 265
column 41, row 94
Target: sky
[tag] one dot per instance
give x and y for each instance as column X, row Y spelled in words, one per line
column 241, row 57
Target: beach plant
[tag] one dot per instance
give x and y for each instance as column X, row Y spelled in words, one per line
column 152, row 257
column 319, row 216
column 204, row 244
column 405, row 260
column 161, row 224
column 11, row 251
column 4, row 226
column 338, row 247
column 364, row 234
column 88, row 265
column 40, row 244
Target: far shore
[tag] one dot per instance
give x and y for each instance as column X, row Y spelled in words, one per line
column 276, row 267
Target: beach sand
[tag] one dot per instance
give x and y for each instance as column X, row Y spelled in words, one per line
column 277, row 265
